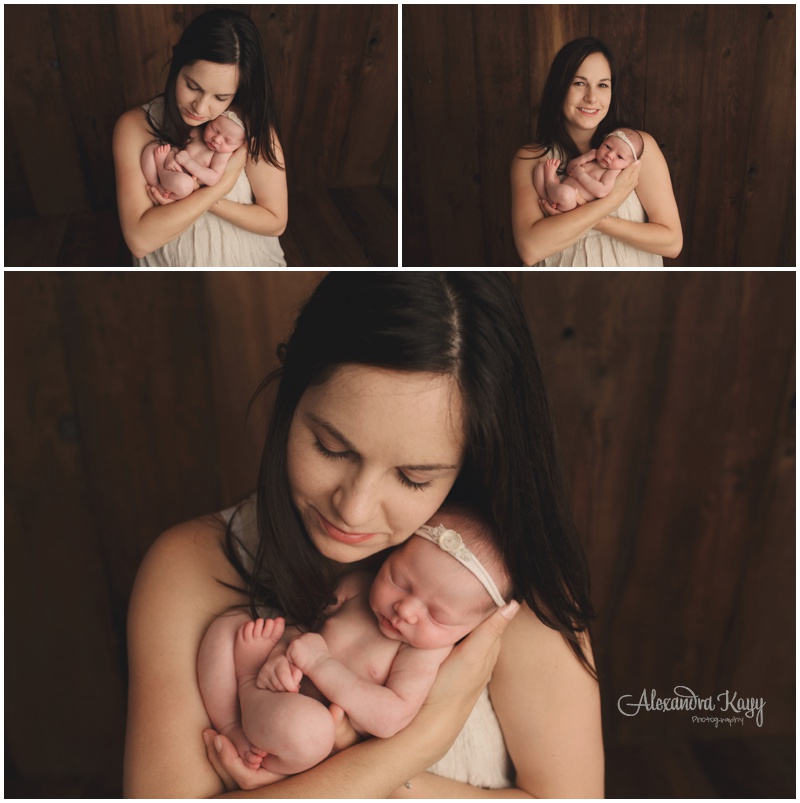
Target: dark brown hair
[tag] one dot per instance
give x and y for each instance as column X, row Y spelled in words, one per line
column 472, row 327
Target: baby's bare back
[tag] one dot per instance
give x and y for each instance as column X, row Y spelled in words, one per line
column 354, row 639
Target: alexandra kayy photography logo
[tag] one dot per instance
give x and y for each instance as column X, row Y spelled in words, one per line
column 730, row 703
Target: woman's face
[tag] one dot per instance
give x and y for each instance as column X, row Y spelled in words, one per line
column 204, row 90
column 372, row 454
column 589, row 94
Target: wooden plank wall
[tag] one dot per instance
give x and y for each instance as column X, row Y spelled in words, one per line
column 714, row 84
column 674, row 398
column 75, row 68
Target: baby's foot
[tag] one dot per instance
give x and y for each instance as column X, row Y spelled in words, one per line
column 254, row 642
column 550, row 168
column 160, row 155
column 250, row 754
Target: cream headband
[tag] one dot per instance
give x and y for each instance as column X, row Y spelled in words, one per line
column 233, row 116
column 625, row 139
column 450, row 541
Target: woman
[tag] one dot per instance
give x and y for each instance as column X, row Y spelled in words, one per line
column 398, row 391
column 580, row 106
column 217, row 64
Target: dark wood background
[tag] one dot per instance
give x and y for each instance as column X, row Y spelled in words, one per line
column 714, row 84
column 72, row 70
column 126, row 397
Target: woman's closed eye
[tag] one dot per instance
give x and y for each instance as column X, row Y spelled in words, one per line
column 344, row 454
column 331, row 453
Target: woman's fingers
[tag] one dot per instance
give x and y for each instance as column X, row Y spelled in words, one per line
column 230, row 767
column 468, row 668
column 210, row 739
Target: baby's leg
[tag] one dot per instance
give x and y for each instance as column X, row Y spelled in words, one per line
column 295, row 731
column 216, row 674
column 538, row 181
column 178, row 184
column 560, row 194
column 149, row 167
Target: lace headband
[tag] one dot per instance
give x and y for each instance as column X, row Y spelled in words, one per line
column 233, row 116
column 450, row 542
column 624, row 138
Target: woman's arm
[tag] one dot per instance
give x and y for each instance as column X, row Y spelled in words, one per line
column 662, row 234
column 548, row 707
column 146, row 227
column 538, row 236
column 176, row 596
column 376, row 767
column 270, row 212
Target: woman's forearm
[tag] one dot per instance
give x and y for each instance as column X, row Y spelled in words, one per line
column 371, row 769
column 427, row 785
column 162, row 224
column 650, row 237
column 251, row 217
column 553, row 234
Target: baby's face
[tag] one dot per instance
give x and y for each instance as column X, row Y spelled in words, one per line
column 614, row 154
column 223, row 135
column 424, row 597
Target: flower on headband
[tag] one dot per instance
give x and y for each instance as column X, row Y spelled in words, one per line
column 450, row 541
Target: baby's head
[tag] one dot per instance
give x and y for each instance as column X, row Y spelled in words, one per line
column 425, row 596
column 620, row 149
column 224, row 134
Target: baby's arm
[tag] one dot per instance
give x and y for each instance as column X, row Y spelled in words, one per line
column 207, row 175
column 597, row 188
column 278, row 674
column 379, row 710
column 581, row 160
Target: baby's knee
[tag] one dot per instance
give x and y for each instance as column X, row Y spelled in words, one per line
column 304, row 730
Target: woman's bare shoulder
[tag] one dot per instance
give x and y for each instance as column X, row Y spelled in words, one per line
column 185, row 565
column 532, row 152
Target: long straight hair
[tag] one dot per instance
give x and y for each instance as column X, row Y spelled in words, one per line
column 472, row 327
column 551, row 131
column 224, row 36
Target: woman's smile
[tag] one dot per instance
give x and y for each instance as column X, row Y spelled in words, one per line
column 341, row 535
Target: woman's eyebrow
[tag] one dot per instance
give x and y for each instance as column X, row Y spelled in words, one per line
column 586, row 79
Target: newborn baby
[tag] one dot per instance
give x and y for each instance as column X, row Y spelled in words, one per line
column 591, row 175
column 179, row 172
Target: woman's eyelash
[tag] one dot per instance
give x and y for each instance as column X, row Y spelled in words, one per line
column 197, row 89
column 328, row 453
column 415, row 486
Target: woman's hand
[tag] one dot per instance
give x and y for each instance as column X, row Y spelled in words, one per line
column 459, row 682
column 625, row 184
column 235, row 774
column 233, row 170
column 157, row 197
column 548, row 208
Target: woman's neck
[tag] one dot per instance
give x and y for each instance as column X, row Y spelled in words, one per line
column 581, row 137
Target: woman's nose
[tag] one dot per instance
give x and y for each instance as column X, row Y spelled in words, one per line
column 356, row 502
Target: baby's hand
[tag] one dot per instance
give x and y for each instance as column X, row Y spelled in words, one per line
column 307, row 650
column 278, row 674
column 577, row 170
column 182, row 157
